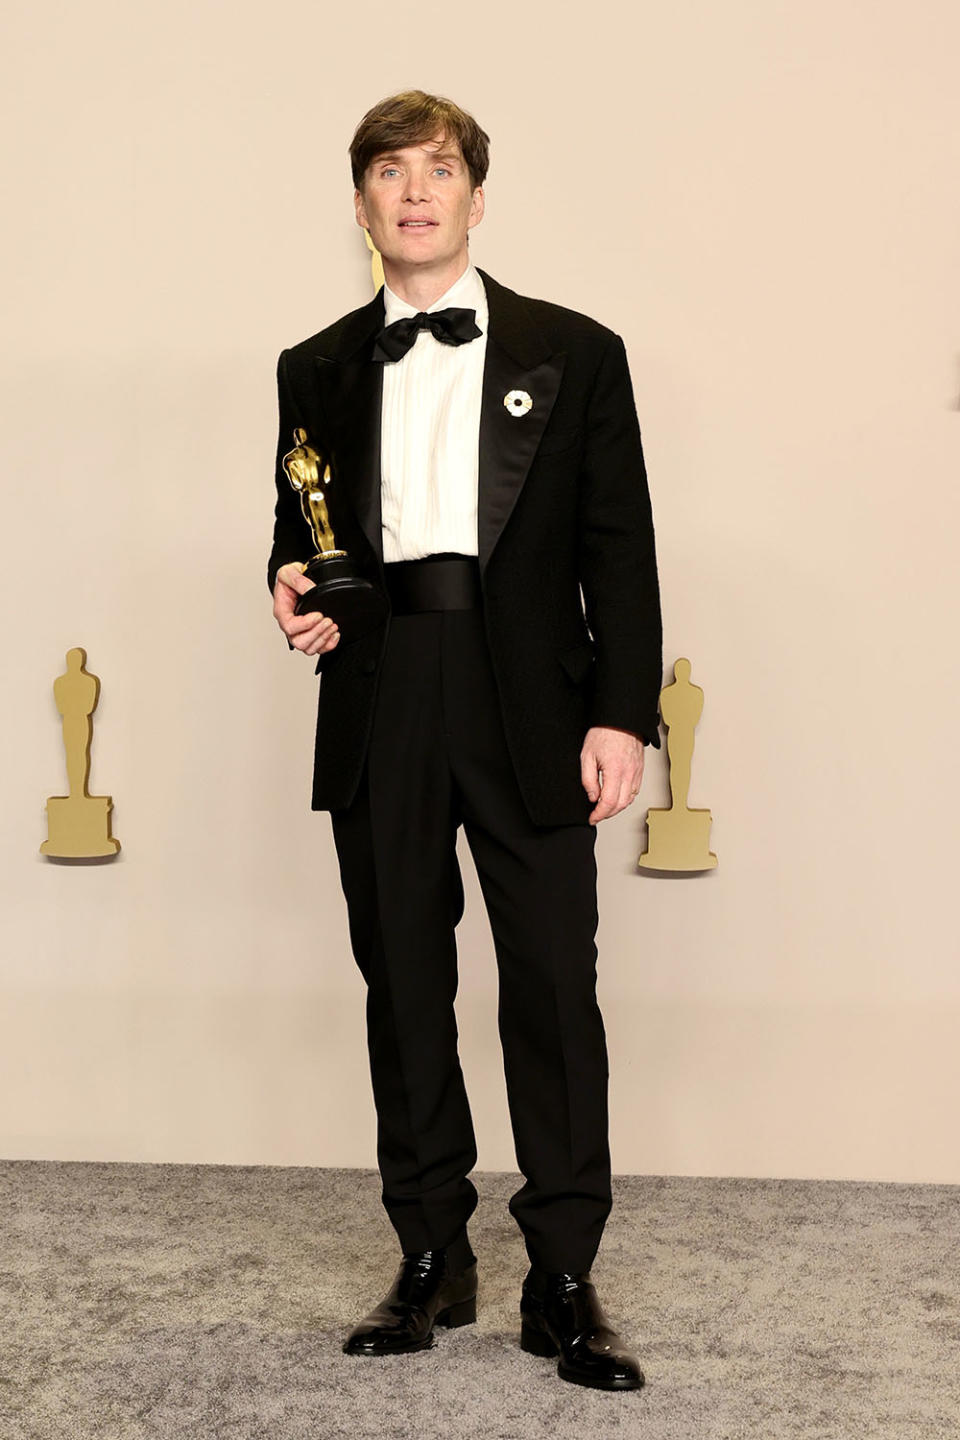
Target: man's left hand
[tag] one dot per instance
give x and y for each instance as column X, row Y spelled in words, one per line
column 611, row 768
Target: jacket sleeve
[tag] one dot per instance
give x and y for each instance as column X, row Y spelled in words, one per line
column 292, row 539
column 617, row 557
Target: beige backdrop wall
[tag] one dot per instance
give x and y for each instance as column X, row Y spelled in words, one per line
column 762, row 199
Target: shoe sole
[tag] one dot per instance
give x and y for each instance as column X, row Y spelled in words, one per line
column 624, row 1384
column 409, row 1349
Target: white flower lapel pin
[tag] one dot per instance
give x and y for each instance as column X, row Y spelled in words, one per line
column 518, row 402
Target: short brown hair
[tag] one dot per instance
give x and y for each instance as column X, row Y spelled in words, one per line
column 410, row 118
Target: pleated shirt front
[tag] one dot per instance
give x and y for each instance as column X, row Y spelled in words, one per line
column 430, row 433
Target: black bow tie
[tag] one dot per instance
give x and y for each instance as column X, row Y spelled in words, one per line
column 450, row 327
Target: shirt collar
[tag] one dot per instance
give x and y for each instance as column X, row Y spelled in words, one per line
column 467, row 292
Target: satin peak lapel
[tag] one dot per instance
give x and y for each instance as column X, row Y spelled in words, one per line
column 518, row 357
column 352, row 388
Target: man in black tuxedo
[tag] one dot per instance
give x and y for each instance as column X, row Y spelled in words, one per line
column 486, row 467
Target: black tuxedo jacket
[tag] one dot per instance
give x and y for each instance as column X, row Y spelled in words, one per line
column 563, row 505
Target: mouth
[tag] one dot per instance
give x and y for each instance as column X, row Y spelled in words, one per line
column 416, row 224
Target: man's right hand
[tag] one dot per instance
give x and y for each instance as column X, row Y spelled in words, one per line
column 314, row 634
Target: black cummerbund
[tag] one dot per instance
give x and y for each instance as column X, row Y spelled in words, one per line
column 437, row 582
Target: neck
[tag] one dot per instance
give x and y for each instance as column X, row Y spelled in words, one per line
column 421, row 285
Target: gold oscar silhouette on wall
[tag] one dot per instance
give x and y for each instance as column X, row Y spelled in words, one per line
column 78, row 824
column 679, row 838
column 376, row 263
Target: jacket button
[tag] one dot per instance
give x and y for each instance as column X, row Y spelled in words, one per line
column 367, row 667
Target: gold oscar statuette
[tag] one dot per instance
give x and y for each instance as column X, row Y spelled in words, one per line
column 352, row 601
column 78, row 824
column 679, row 838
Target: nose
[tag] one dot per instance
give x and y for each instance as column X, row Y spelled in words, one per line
column 418, row 185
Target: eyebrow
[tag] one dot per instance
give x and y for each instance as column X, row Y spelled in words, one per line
column 394, row 155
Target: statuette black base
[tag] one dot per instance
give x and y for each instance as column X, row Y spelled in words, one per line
column 354, row 603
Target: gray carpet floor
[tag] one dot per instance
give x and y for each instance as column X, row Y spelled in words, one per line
column 179, row 1301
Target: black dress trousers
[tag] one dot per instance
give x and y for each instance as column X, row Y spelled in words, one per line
column 437, row 759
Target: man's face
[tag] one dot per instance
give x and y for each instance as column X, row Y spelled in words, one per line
column 418, row 203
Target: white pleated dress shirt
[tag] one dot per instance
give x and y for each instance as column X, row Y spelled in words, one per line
column 430, row 433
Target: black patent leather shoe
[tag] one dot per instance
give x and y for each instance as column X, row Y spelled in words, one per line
column 561, row 1315
column 424, row 1294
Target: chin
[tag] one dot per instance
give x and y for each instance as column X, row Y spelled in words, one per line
column 421, row 256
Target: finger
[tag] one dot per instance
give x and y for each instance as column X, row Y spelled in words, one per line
column 292, row 576
column 317, row 631
column 300, row 583
column 322, row 633
column 616, row 783
column 615, row 795
column 590, row 774
column 628, row 789
column 625, row 791
column 309, row 637
column 327, row 642
column 300, row 624
column 602, row 811
column 599, row 811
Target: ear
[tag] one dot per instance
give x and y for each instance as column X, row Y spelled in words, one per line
column 360, row 210
column 476, row 208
